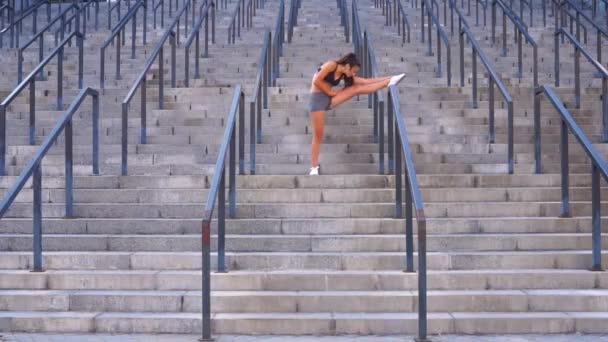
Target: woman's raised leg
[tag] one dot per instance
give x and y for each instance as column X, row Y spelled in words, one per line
column 357, row 89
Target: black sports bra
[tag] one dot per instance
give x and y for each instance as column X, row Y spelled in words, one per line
column 330, row 78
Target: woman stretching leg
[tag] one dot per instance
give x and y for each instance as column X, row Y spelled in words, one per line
column 323, row 98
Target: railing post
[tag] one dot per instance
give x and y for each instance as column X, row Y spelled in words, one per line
column 510, row 151
column 252, row 138
column 242, row 134
column 37, row 184
column 221, row 223
column 389, row 128
column 60, row 79
column 577, row 77
column 32, row 131
column 206, row 277
column 605, row 109
column 537, row 131
column 69, row 174
column 118, row 54
column 409, row 225
column 161, row 78
column 491, row 111
column 564, row 169
column 232, row 175
column 2, row 140
column 596, row 218
column 398, row 176
column 95, row 134
column 381, row 136
column 144, row 130
column 124, row 137
column 520, row 66
column 461, row 40
column 556, row 49
column 474, row 61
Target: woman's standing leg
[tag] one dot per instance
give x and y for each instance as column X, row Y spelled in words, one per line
column 318, row 122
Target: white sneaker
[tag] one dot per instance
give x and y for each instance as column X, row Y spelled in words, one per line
column 396, row 79
column 314, row 171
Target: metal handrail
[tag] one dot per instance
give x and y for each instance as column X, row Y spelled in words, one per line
column 342, row 6
column 34, row 169
column 218, row 190
column 160, row 4
column 601, row 70
column 278, row 43
column 441, row 36
column 115, row 37
column 598, row 165
column 195, row 37
column 573, row 18
column 242, row 16
column 19, row 22
column 112, row 8
column 40, row 37
column 140, row 81
column 412, row 197
column 30, row 81
column 402, row 22
column 579, row 13
column 521, row 33
column 259, row 98
column 81, row 12
column 11, row 18
column 492, row 80
column 292, row 19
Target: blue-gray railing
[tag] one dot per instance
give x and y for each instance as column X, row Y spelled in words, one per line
column 493, row 80
column 34, row 169
column 265, row 77
column 30, row 82
column 343, row 7
column 111, row 8
column 442, row 37
column 395, row 14
column 412, row 199
column 242, row 16
column 172, row 35
column 522, row 33
column 16, row 26
column 40, row 37
column 10, row 10
column 75, row 21
column 155, row 6
column 278, row 42
column 601, row 70
column 218, row 191
column 397, row 144
column 600, row 32
column 598, row 166
column 115, row 38
column 206, row 9
column 292, row 19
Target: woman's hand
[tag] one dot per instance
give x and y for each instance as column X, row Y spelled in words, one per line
column 333, row 93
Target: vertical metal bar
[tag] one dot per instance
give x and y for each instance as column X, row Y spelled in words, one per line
column 259, row 116
column 134, row 34
column 474, row 61
column 252, row 138
column 2, row 140
column 232, row 176
column 161, row 77
column 389, row 128
column 537, row 133
column 461, row 39
column 409, row 225
column 95, row 156
column 32, row 131
column 187, row 65
column 398, row 175
column 510, row 138
column 577, row 77
column 605, row 109
column 118, row 54
column 69, row 174
column 242, row 135
column 564, row 169
column 381, row 136
column 221, row 224
column 596, row 218
column 504, row 34
column 556, row 51
column 206, row 278
column 520, row 66
column 491, row 112
column 124, row 138
column 143, row 132
column 37, row 184
column 60, row 79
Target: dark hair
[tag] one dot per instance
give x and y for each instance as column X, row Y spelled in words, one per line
column 350, row 59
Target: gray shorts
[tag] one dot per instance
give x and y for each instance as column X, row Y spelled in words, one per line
column 319, row 102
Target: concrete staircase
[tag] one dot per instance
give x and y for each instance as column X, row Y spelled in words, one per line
column 310, row 255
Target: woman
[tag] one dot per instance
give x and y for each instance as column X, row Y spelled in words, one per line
column 323, row 97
